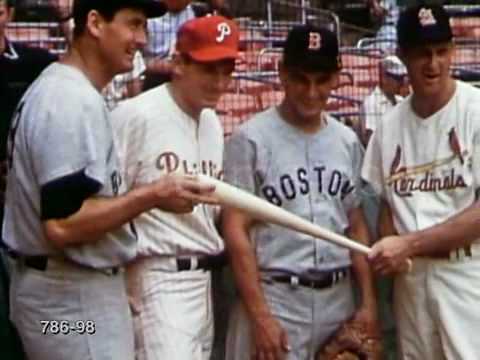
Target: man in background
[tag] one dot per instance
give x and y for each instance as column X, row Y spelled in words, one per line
column 391, row 89
column 162, row 35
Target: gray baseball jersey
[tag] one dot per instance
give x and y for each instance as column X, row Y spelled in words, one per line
column 314, row 176
column 61, row 127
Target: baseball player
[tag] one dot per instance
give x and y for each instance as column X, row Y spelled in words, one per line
column 66, row 210
column 424, row 161
column 173, row 129
column 296, row 290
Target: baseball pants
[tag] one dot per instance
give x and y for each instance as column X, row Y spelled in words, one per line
column 71, row 312
column 436, row 309
column 309, row 316
column 173, row 317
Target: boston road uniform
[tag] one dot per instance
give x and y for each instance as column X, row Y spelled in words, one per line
column 71, row 303
column 306, row 281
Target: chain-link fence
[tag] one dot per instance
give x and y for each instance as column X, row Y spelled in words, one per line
column 255, row 87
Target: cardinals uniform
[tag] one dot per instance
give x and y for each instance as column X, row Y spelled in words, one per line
column 429, row 170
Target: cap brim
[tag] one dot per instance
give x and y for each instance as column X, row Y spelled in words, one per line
column 214, row 54
column 396, row 76
column 152, row 8
column 314, row 63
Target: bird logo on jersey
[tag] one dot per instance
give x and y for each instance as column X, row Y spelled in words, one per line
column 455, row 144
column 426, row 18
column 396, row 161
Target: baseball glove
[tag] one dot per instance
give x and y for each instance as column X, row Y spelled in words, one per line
column 351, row 342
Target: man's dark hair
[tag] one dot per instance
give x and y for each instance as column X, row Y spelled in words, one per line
column 81, row 19
column 108, row 9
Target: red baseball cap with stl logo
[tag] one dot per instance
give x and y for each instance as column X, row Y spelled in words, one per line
column 209, row 38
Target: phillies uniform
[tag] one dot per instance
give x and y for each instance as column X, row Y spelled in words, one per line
column 429, row 170
column 155, row 137
column 49, row 141
column 315, row 176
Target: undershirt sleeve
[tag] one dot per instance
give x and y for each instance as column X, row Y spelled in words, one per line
column 63, row 197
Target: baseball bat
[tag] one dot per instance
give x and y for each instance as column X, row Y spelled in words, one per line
column 229, row 195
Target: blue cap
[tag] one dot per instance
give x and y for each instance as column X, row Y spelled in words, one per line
column 312, row 49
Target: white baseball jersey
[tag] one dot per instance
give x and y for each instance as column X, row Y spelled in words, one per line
column 155, row 137
column 427, row 169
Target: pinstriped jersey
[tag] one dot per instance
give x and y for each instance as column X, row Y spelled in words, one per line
column 315, row 176
column 427, row 169
column 155, row 137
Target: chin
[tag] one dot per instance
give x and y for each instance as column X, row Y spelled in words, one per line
column 210, row 103
column 126, row 66
column 309, row 114
column 433, row 90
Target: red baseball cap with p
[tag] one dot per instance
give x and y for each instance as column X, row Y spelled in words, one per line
column 209, row 38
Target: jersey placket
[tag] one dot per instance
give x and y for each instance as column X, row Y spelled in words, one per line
column 314, row 199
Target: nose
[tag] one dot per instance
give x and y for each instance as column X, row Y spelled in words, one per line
column 434, row 61
column 221, row 80
column 311, row 90
column 141, row 38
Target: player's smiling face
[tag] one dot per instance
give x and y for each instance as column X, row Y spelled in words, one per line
column 306, row 93
column 121, row 37
column 429, row 68
column 205, row 82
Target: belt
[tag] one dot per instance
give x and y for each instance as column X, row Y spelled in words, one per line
column 207, row 263
column 40, row 262
column 321, row 281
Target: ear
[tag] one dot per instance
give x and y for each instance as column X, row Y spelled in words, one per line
column 336, row 79
column 11, row 14
column 282, row 72
column 178, row 64
column 95, row 23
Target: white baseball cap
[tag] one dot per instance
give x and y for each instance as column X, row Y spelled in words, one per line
column 392, row 65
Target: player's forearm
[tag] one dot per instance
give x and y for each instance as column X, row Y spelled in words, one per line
column 385, row 220
column 244, row 266
column 363, row 275
column 365, row 281
column 98, row 216
column 459, row 231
